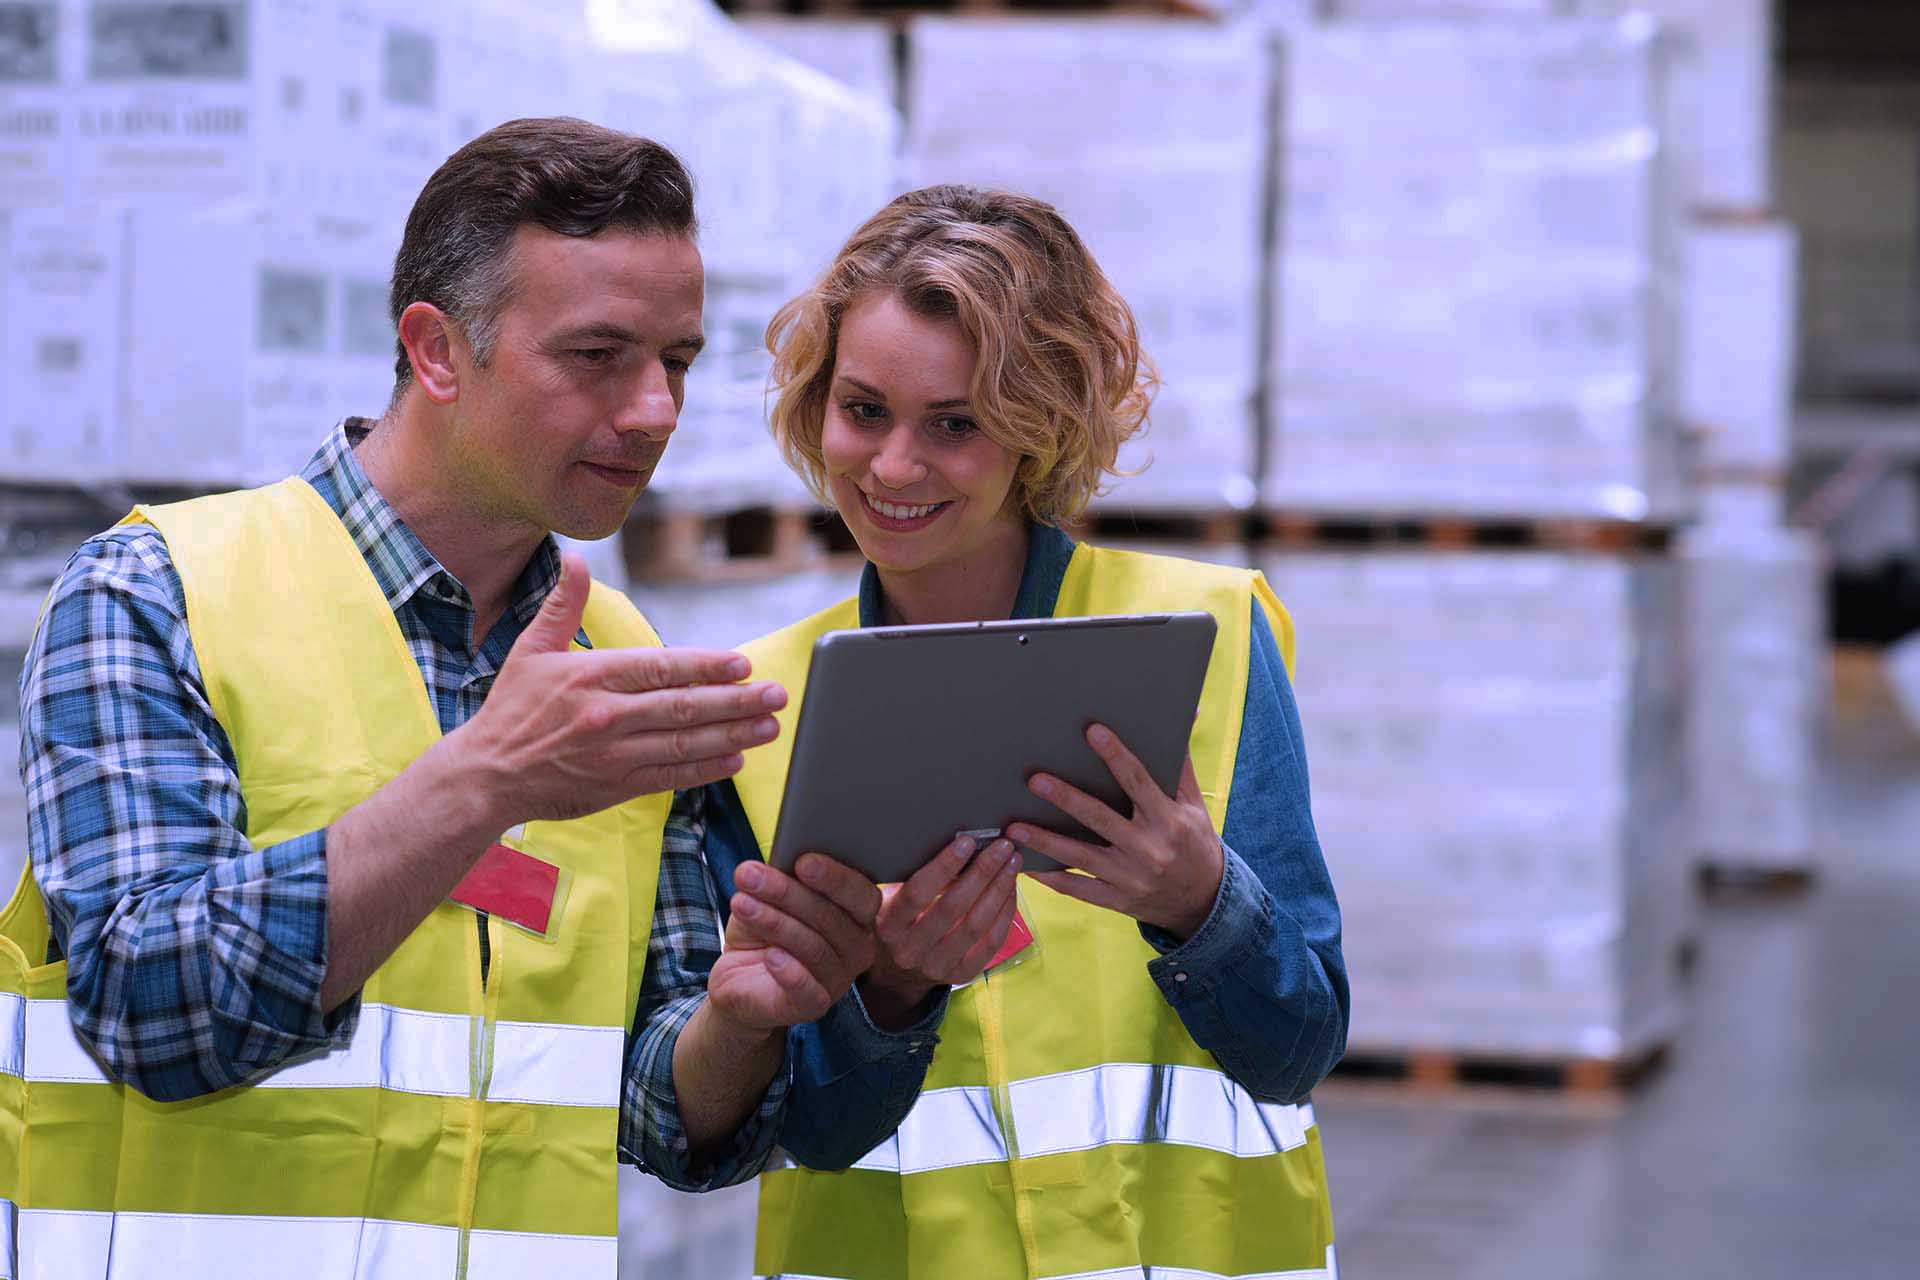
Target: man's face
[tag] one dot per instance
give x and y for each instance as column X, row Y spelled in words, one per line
column 563, row 426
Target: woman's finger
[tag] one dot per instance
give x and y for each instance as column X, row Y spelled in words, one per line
column 925, row 886
column 1126, row 769
column 947, row 954
column 1086, row 888
column 1190, row 792
column 1078, row 854
column 1090, row 813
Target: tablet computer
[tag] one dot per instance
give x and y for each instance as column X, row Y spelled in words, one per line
column 910, row 735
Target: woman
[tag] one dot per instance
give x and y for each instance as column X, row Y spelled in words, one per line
column 1117, row 1096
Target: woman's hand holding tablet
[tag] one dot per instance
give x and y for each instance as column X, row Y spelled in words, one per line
column 940, row 928
column 1162, row 866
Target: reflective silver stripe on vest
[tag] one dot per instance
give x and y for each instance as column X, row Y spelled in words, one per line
column 1134, row 1102
column 1328, row 1272
column 13, row 1034
column 406, row 1050
column 7, row 1216
column 946, row 1128
column 179, row 1246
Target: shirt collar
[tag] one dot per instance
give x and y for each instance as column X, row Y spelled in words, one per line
column 401, row 563
column 1048, row 551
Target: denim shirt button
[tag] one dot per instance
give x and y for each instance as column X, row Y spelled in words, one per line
column 1179, row 977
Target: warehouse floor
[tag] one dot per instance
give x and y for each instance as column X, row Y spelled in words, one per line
column 1780, row 1140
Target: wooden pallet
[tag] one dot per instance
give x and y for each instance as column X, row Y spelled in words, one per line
column 1441, row 1069
column 996, row 8
column 670, row 545
column 1209, row 528
column 1458, row 533
column 1734, row 880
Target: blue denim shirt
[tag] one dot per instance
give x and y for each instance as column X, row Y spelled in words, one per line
column 1261, row 984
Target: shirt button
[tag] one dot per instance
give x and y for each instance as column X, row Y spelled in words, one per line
column 1179, row 977
column 915, row 1046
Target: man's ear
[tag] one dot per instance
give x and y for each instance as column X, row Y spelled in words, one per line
column 432, row 339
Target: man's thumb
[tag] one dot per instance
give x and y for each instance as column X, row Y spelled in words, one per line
column 553, row 628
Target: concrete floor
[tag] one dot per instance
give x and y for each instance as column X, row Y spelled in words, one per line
column 1783, row 1138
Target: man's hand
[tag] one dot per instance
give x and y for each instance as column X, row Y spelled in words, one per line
column 940, row 928
column 793, row 946
column 567, row 733
column 1162, row 866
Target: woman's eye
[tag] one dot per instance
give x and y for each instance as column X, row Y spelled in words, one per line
column 954, row 428
column 864, row 411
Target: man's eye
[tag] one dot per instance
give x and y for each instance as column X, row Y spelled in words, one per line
column 594, row 355
column 676, row 366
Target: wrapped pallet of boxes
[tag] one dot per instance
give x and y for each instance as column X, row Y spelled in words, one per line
column 714, row 615
column 1149, row 137
column 1738, row 344
column 1476, row 272
column 1498, row 782
column 207, row 101
column 856, row 52
column 39, row 73
column 786, row 162
column 60, row 358
column 254, row 331
column 1756, row 637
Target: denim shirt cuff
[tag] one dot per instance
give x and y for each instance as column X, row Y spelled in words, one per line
column 1241, row 909
column 853, row 1040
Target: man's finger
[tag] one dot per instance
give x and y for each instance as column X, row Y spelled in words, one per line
column 646, row 670
column 811, row 996
column 841, row 885
column 778, row 928
column 674, row 746
column 652, row 779
column 849, row 936
column 554, row 626
column 691, row 706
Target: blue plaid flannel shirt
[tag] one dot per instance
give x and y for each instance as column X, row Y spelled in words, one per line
column 195, row 959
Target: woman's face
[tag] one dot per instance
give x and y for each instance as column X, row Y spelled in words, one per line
column 917, row 481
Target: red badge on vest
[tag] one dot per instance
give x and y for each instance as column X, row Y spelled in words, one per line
column 516, row 886
column 1019, row 938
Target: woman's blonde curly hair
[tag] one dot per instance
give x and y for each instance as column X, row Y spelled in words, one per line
column 1059, row 377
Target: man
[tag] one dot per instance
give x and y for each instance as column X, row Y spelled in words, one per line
column 266, row 735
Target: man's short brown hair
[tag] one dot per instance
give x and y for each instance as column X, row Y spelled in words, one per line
column 565, row 175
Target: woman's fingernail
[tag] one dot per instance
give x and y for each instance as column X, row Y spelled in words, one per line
column 1042, row 785
column 1100, row 736
column 963, row 848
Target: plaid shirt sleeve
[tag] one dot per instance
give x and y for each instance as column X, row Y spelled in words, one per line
column 194, row 959
column 681, row 951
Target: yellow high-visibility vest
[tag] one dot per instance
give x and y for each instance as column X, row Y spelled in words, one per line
column 461, row 1131
column 1069, row 1125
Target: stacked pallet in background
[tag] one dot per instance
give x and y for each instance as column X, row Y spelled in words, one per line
column 1150, row 138
column 1477, row 267
column 1472, row 463
column 1499, row 786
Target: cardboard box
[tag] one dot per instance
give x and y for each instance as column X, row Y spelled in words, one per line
column 240, row 358
column 60, row 358
column 1742, row 303
column 1477, row 259
column 39, row 74
column 1523, row 892
column 856, row 52
column 193, row 103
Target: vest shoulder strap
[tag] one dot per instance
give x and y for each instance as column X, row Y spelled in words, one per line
column 784, row 657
